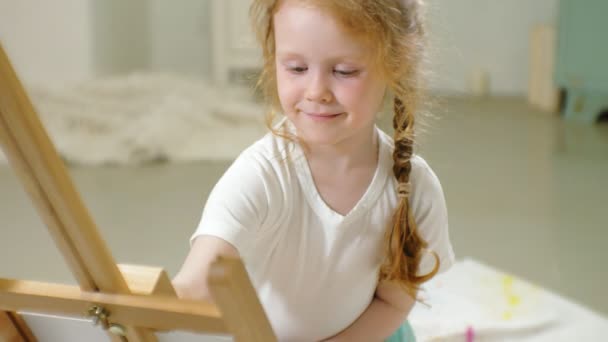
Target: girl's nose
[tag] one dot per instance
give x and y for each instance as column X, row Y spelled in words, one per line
column 318, row 89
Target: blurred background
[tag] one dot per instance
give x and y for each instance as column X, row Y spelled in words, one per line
column 149, row 102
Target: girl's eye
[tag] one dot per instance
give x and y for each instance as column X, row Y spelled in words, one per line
column 297, row 70
column 346, row 73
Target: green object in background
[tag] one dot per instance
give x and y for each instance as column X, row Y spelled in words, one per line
column 582, row 58
column 405, row 333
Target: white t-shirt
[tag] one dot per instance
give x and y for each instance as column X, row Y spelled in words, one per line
column 315, row 270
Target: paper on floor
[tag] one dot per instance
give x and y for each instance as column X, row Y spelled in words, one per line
column 497, row 306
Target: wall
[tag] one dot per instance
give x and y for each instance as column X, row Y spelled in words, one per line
column 121, row 40
column 489, row 34
column 50, row 41
column 180, row 36
column 47, row 41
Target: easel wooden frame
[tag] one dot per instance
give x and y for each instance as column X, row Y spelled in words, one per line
column 133, row 301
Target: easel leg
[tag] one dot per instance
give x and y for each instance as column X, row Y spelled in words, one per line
column 14, row 329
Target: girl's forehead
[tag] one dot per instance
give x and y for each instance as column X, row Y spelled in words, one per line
column 302, row 29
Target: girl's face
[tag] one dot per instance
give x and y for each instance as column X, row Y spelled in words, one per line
column 326, row 84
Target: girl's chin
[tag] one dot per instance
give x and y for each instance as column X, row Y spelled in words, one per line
column 315, row 138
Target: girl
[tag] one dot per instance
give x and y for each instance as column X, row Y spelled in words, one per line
column 337, row 223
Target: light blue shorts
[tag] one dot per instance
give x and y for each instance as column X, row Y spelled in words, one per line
column 404, row 334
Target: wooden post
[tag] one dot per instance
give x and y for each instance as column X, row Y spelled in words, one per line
column 14, row 329
column 236, row 298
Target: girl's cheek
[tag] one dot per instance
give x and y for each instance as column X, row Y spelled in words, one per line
column 287, row 96
column 352, row 91
column 286, row 90
column 290, row 89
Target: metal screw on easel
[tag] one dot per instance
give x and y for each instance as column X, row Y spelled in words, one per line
column 99, row 316
column 118, row 330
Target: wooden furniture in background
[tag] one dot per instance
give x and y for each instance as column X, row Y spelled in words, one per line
column 236, row 55
column 542, row 91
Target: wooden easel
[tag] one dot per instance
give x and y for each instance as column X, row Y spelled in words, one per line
column 129, row 302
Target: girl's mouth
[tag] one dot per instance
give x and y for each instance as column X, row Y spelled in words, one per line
column 322, row 116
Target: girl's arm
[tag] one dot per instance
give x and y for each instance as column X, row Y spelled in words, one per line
column 191, row 280
column 386, row 313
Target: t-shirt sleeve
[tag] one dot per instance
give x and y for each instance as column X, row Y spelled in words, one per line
column 431, row 215
column 236, row 206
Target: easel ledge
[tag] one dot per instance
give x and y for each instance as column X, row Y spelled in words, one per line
column 129, row 302
column 157, row 312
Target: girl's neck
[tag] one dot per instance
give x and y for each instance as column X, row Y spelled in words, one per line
column 360, row 150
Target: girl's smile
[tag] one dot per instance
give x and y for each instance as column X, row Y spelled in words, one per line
column 323, row 117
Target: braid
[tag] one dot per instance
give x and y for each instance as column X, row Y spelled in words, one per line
column 404, row 141
column 405, row 246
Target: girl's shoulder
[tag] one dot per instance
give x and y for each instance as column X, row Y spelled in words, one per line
column 269, row 150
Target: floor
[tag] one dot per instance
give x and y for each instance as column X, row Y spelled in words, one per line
column 526, row 192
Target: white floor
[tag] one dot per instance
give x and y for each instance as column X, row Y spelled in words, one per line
column 527, row 193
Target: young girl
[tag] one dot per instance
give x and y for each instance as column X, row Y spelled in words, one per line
column 337, row 223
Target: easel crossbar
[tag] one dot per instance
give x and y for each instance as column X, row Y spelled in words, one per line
column 155, row 312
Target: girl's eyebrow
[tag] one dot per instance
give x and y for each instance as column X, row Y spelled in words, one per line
column 288, row 54
column 350, row 58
